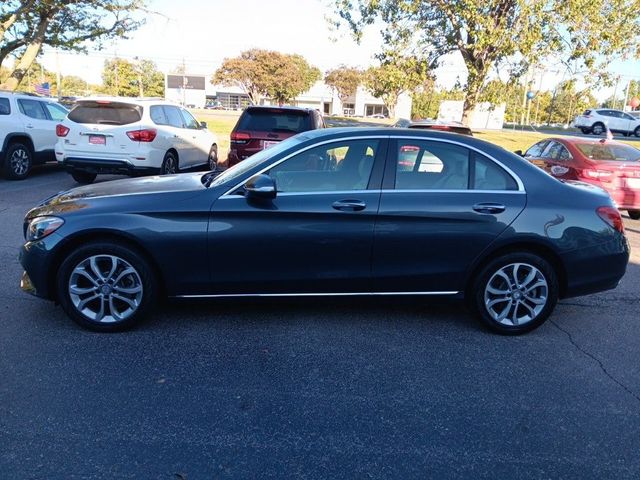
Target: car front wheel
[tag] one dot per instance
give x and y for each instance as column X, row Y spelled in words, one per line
column 106, row 287
column 515, row 293
column 17, row 161
column 212, row 162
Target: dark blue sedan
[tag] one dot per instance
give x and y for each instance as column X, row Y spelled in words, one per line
column 331, row 212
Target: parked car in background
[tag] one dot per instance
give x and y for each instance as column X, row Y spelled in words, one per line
column 331, row 212
column 260, row 127
column 132, row 137
column 27, row 132
column 597, row 121
column 610, row 165
column 453, row 127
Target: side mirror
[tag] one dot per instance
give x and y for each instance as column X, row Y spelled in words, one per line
column 519, row 152
column 203, row 124
column 261, row 187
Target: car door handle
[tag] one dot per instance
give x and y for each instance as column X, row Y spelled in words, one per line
column 29, row 125
column 489, row 208
column 349, row 205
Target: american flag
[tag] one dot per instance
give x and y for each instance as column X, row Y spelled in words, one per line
column 43, row 88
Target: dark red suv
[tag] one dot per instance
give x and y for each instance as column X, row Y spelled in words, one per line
column 261, row 127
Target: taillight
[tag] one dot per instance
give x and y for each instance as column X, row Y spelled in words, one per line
column 145, row 135
column 611, row 216
column 61, row 130
column 240, row 137
column 601, row 175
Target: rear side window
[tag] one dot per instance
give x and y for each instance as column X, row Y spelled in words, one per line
column 32, row 109
column 106, row 113
column 5, row 106
column 156, row 112
column 56, row 112
column 489, row 176
column 173, row 116
column 275, row 120
column 425, row 165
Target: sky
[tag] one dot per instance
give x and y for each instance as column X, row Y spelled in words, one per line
column 204, row 32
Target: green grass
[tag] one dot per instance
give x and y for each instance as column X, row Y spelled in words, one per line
column 222, row 122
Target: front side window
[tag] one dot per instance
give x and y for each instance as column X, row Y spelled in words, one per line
column 339, row 166
column 32, row 109
column 536, row 150
column 189, row 121
column 426, row 165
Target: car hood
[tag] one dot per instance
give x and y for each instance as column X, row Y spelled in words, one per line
column 142, row 189
column 132, row 186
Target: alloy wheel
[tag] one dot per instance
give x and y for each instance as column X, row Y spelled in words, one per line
column 105, row 288
column 516, row 294
column 19, row 161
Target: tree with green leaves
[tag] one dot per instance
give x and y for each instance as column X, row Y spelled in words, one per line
column 261, row 73
column 491, row 34
column 26, row 26
column 394, row 77
column 138, row 78
column 344, row 80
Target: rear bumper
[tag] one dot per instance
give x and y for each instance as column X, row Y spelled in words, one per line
column 595, row 269
column 93, row 165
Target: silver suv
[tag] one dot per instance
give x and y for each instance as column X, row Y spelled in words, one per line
column 27, row 132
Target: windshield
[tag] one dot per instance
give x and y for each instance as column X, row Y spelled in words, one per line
column 614, row 152
column 255, row 160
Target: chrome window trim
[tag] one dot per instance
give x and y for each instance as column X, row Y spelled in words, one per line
column 417, row 190
column 314, row 294
column 389, row 137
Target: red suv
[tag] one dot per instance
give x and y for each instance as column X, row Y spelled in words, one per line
column 612, row 166
column 261, row 127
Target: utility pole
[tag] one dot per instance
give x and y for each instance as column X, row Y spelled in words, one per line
column 58, row 76
column 626, row 95
column 615, row 92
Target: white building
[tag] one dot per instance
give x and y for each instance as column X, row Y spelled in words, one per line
column 197, row 91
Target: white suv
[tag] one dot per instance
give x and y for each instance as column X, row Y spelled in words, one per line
column 27, row 132
column 596, row 121
column 132, row 137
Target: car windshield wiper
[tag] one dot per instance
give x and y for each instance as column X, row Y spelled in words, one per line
column 208, row 177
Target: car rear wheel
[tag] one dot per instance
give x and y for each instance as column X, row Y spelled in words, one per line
column 636, row 132
column 169, row 164
column 597, row 129
column 106, row 287
column 515, row 293
column 84, row 177
column 634, row 214
column 17, row 161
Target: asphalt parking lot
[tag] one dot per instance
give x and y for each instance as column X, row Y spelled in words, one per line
column 313, row 388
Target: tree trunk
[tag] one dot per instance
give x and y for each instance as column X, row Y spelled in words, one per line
column 470, row 102
column 30, row 54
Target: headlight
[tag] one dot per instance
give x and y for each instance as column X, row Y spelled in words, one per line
column 40, row 227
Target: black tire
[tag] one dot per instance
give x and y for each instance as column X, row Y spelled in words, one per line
column 84, row 177
column 598, row 128
column 585, row 130
column 18, row 161
column 480, row 298
column 212, row 159
column 131, row 270
column 634, row 214
column 169, row 164
column 636, row 132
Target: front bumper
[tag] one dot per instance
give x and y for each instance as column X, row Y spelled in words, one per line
column 103, row 166
column 37, row 260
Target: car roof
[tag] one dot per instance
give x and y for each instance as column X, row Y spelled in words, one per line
column 132, row 100
column 284, row 107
